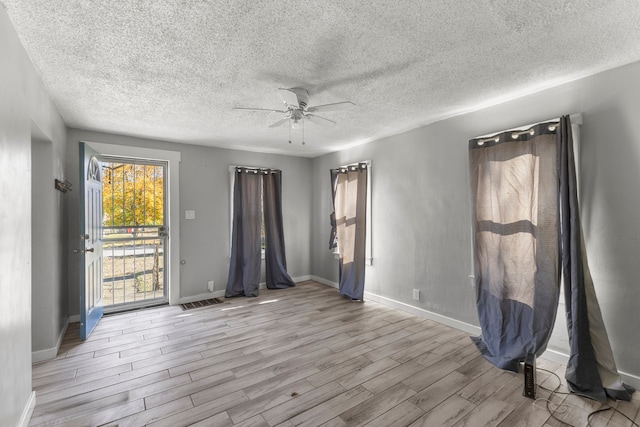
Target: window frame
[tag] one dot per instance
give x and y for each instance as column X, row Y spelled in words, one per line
column 368, row 233
column 232, row 181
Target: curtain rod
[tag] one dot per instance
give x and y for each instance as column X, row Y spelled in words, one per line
column 576, row 119
column 353, row 167
column 516, row 134
column 254, row 169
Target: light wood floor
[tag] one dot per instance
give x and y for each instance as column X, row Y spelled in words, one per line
column 301, row 356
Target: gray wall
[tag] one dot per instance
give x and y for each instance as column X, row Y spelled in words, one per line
column 23, row 102
column 48, row 267
column 421, row 205
column 204, row 187
column 421, row 208
column 420, row 236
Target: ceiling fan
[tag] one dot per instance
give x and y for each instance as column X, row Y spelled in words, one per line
column 297, row 110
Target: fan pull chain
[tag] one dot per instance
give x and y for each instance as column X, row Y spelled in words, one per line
column 303, row 120
column 289, row 130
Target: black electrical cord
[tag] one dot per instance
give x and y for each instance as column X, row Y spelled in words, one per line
column 554, row 391
column 591, row 414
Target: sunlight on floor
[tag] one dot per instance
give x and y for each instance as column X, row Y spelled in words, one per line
column 232, row 308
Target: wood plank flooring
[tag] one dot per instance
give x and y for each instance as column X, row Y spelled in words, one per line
column 302, row 356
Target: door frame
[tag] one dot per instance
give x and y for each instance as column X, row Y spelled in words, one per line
column 173, row 202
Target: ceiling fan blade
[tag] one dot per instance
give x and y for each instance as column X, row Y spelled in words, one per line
column 289, row 97
column 279, row 122
column 319, row 120
column 259, row 109
column 331, row 107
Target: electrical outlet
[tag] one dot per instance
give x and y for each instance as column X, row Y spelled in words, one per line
column 416, row 294
column 211, row 283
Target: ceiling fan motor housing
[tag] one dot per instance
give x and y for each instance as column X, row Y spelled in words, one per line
column 302, row 95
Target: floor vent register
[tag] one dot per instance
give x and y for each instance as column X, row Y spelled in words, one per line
column 199, row 304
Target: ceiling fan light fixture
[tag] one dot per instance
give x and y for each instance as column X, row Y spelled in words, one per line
column 295, row 124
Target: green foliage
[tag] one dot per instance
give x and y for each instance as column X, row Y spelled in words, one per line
column 133, row 195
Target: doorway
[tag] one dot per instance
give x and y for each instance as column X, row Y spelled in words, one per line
column 135, row 233
column 171, row 249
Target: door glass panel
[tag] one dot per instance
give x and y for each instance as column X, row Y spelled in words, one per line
column 134, row 233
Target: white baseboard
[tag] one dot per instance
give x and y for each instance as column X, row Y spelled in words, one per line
column 209, row 295
column 220, row 294
column 43, row 355
column 25, row 418
column 74, row 318
column 50, row 353
column 563, row 359
column 201, row 297
column 325, row 281
column 632, row 380
column 466, row 327
column 448, row 321
column 555, row 356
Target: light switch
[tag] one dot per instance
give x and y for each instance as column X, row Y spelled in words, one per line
column 189, row 214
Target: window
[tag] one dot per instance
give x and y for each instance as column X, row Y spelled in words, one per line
column 368, row 248
column 576, row 123
column 232, row 181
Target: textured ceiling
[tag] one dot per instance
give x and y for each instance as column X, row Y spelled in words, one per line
column 174, row 69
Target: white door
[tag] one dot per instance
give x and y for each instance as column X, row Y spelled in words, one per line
column 91, row 240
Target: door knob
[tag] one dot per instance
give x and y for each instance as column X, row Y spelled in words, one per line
column 79, row 251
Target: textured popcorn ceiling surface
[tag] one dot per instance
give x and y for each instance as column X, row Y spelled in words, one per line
column 174, row 69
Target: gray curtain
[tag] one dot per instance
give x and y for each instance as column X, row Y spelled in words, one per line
column 244, row 267
column 526, row 221
column 591, row 370
column 515, row 222
column 349, row 188
column 275, row 258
